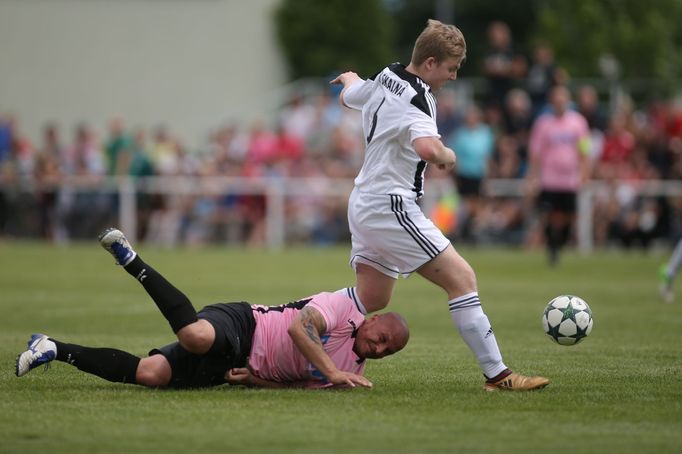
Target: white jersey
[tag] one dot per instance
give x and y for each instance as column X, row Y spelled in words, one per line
column 397, row 108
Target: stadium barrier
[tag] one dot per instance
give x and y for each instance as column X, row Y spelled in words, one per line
column 276, row 191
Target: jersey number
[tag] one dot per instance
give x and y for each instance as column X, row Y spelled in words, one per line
column 374, row 121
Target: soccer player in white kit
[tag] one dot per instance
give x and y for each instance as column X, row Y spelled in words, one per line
column 391, row 236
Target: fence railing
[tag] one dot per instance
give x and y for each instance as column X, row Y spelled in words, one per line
column 276, row 192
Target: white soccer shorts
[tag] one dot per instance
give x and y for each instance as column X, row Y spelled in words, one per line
column 391, row 234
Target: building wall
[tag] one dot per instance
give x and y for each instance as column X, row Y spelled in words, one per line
column 187, row 64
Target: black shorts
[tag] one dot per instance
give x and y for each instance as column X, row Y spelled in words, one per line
column 467, row 186
column 563, row 201
column 234, row 326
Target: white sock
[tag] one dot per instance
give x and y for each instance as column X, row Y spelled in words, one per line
column 352, row 294
column 474, row 327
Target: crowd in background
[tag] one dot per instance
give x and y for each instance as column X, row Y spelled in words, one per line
column 312, row 136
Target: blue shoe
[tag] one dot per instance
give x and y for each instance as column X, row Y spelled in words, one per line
column 41, row 350
column 114, row 241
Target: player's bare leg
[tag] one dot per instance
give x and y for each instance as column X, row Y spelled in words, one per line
column 454, row 275
column 154, row 371
column 373, row 287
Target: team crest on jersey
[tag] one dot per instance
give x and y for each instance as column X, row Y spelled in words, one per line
column 394, row 86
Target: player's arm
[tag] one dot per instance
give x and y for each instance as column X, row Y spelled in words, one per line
column 432, row 150
column 305, row 330
column 346, row 79
column 243, row 376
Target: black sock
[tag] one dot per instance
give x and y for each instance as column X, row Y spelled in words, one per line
column 107, row 363
column 553, row 237
column 564, row 235
column 172, row 303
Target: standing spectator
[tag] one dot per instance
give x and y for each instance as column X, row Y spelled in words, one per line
column 543, row 74
column 517, row 122
column 262, row 150
column 502, row 66
column 47, row 176
column 141, row 166
column 6, row 140
column 6, row 137
column 448, row 117
column 559, row 143
column 299, row 118
column 506, row 162
column 587, row 104
column 617, row 149
column 84, row 208
column 118, row 149
column 164, row 151
column 288, row 149
column 473, row 143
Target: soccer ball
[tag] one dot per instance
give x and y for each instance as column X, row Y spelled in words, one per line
column 567, row 320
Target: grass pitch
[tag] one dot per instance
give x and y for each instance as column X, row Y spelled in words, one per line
column 618, row 391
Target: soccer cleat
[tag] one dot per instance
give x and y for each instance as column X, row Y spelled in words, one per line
column 41, row 350
column 665, row 285
column 516, row 382
column 114, row 241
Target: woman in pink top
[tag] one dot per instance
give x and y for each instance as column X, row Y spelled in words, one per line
column 559, row 143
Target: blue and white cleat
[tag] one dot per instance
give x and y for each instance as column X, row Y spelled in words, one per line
column 114, row 241
column 41, row 350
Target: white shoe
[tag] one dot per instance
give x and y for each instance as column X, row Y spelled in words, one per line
column 41, row 350
column 114, row 241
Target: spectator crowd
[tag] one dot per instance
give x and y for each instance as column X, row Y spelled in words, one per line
column 312, row 136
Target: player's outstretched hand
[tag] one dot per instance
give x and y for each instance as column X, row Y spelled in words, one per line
column 349, row 379
column 345, row 79
column 239, row 376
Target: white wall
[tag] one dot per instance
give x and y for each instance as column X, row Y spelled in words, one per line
column 188, row 64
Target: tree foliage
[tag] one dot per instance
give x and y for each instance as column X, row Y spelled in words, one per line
column 322, row 37
column 644, row 37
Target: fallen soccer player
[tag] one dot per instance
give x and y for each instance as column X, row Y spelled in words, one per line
column 316, row 342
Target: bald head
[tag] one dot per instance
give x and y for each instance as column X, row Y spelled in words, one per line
column 381, row 335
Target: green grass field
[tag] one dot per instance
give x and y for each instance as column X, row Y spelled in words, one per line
column 618, row 391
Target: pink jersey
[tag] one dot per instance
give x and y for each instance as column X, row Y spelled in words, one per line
column 555, row 140
column 273, row 353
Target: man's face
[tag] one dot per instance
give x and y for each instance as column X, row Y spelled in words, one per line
column 379, row 336
column 438, row 73
column 560, row 98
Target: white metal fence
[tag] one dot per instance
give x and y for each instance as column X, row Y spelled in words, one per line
column 277, row 192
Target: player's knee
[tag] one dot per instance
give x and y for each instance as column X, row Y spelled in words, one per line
column 154, row 372
column 374, row 301
column 198, row 337
column 197, row 342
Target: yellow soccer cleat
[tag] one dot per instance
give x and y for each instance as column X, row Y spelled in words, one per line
column 516, row 382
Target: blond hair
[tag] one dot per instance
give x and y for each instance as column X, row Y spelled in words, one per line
column 440, row 41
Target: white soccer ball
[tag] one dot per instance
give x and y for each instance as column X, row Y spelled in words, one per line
column 567, row 320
